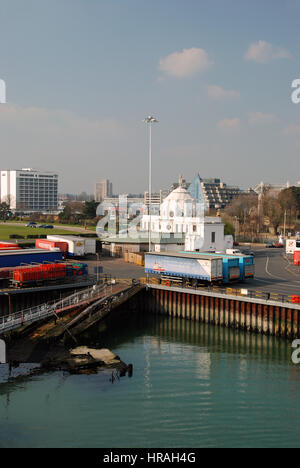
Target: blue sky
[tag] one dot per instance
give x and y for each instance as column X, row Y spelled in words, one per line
column 82, row 74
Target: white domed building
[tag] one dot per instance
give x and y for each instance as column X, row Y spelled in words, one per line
column 181, row 216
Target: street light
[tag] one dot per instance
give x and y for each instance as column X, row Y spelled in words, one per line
column 149, row 121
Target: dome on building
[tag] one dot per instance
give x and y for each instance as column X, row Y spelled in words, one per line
column 178, row 203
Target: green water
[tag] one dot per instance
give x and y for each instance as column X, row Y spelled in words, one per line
column 193, row 386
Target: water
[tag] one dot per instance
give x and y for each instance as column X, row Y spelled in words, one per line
column 193, row 386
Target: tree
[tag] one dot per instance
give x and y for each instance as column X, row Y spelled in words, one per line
column 90, row 209
column 273, row 210
column 4, row 211
column 73, row 211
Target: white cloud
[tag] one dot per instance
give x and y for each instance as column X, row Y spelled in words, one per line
column 259, row 118
column 218, row 93
column 229, row 124
column 264, row 52
column 189, row 62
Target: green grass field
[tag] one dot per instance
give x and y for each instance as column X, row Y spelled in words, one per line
column 6, row 230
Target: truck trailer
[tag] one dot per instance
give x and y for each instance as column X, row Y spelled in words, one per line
column 235, row 267
column 185, row 266
column 12, row 258
column 77, row 246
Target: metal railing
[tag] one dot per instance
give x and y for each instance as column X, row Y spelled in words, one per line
column 227, row 291
column 32, row 314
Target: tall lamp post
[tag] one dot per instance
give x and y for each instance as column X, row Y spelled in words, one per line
column 149, row 121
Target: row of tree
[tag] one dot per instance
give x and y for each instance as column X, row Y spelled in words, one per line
column 76, row 211
column 267, row 212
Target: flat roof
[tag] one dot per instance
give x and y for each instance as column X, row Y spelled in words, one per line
column 183, row 255
column 4, row 253
column 143, row 238
column 219, row 254
column 58, row 236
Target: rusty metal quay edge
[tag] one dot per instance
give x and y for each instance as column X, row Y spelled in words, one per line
column 268, row 317
column 219, row 306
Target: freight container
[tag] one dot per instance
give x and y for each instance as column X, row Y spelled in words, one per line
column 297, row 258
column 235, row 267
column 49, row 244
column 77, row 246
column 184, row 265
column 10, row 258
column 39, row 273
column 8, row 245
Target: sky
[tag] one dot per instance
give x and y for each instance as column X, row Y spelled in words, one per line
column 81, row 75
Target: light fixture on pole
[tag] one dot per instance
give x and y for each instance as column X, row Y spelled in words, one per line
column 149, row 121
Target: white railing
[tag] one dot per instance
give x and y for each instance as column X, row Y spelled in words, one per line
column 32, row 314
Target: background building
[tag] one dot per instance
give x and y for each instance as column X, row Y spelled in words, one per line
column 156, row 198
column 103, row 189
column 28, row 190
column 213, row 193
column 272, row 188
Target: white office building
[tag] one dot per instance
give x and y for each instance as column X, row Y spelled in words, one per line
column 28, row 190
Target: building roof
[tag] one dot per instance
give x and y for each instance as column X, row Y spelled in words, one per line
column 180, row 195
column 143, row 238
column 200, row 255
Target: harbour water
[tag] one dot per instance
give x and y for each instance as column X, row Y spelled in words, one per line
column 193, row 385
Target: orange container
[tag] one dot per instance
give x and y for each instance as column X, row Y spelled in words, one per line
column 297, row 257
column 295, row 299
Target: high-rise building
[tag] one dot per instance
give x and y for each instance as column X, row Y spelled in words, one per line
column 28, row 190
column 103, row 189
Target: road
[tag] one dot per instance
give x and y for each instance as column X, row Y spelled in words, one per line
column 64, row 227
column 274, row 272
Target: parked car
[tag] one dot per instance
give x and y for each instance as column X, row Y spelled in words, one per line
column 274, row 245
column 42, row 226
column 49, row 226
column 31, row 224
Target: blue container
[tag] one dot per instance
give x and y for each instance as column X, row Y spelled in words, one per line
column 231, row 264
column 10, row 258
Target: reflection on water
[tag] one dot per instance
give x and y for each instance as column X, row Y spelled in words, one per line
column 194, row 385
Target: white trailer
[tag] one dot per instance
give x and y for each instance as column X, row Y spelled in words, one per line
column 185, row 265
column 77, row 246
column 292, row 245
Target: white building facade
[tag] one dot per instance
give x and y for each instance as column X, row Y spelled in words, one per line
column 180, row 215
column 28, row 190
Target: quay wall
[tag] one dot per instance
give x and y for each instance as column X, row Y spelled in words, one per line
column 252, row 315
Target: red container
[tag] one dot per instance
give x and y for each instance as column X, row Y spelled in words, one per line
column 8, row 245
column 50, row 244
column 297, row 257
column 295, row 299
column 47, row 271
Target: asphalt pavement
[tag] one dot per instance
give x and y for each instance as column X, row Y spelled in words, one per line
column 274, row 272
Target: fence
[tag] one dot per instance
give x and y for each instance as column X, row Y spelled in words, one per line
column 252, row 294
column 10, row 322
